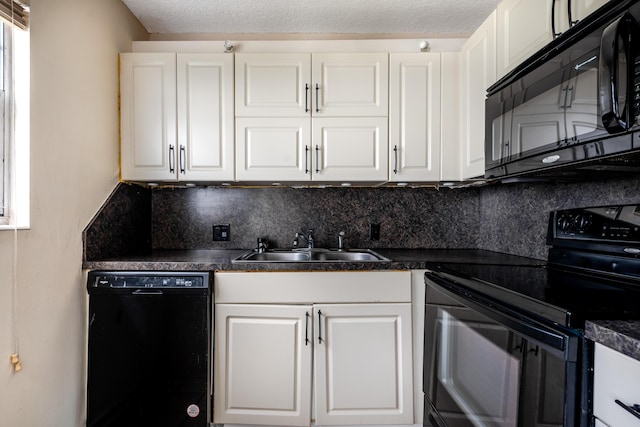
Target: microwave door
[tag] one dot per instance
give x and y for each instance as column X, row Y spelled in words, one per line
column 582, row 118
column 538, row 117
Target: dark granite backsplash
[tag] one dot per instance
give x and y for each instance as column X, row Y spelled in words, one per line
column 408, row 218
column 122, row 226
column 514, row 217
column 505, row 218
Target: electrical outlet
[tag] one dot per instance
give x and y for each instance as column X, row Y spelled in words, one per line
column 221, row 232
column 374, row 231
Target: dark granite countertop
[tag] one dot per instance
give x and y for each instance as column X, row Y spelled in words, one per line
column 620, row 335
column 220, row 259
column 623, row 336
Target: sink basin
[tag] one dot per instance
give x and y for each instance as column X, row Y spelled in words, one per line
column 311, row 255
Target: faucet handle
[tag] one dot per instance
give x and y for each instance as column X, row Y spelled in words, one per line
column 341, row 240
column 262, row 244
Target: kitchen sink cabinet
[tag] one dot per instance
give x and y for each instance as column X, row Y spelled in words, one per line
column 348, row 331
column 176, row 117
column 311, row 117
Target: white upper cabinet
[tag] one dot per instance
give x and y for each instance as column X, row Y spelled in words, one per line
column 302, row 84
column 148, row 116
column 274, row 148
column 414, row 116
column 311, row 117
column 292, row 149
column 176, row 117
column 273, row 84
column 580, row 9
column 205, row 117
column 526, row 26
column 349, row 149
column 478, row 72
column 350, row 84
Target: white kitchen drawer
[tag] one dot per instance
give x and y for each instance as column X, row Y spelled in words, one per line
column 616, row 376
column 295, row 287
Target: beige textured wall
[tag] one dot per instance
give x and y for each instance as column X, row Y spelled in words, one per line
column 74, row 167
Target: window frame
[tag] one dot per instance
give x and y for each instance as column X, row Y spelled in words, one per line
column 14, row 126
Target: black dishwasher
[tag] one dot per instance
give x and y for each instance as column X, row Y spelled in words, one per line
column 148, row 349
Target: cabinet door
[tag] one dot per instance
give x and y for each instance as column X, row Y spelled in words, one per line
column 349, row 149
column 273, row 149
column 478, row 72
column 273, row 85
column 580, row 9
column 524, row 27
column 616, row 377
column 363, row 362
column 350, row 84
column 205, row 116
column 262, row 371
column 414, row 117
column 148, row 116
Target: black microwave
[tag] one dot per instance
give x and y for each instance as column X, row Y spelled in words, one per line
column 572, row 110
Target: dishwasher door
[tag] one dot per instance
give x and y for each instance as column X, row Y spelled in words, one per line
column 148, row 358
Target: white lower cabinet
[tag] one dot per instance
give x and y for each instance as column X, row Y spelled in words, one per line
column 291, row 362
column 265, row 365
column 616, row 378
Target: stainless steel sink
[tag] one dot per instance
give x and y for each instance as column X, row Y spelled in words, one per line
column 311, row 255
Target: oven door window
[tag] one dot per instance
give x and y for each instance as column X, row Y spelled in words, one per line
column 487, row 375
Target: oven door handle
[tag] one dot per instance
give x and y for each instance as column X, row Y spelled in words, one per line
column 529, row 328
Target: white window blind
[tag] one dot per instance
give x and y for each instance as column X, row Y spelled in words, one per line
column 15, row 12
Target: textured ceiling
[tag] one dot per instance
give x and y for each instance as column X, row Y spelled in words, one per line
column 444, row 17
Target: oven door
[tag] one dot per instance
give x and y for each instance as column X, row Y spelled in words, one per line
column 484, row 367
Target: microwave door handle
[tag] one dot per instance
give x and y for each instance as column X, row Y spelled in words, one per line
column 612, row 113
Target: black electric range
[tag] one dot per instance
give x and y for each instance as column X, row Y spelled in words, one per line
column 526, row 323
column 592, row 272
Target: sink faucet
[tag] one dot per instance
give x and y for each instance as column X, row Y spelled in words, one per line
column 308, row 239
column 262, row 245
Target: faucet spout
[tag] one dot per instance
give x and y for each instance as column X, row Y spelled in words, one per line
column 308, row 239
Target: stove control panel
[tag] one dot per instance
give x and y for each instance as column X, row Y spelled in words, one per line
column 605, row 224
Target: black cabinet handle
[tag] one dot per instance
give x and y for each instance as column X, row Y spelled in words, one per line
column 306, row 328
column 182, row 159
column 319, row 327
column 171, row 159
column 317, row 105
column 306, row 159
column 631, row 409
column 306, row 97
column 395, row 164
column 553, row 19
column 571, row 21
column 317, row 158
